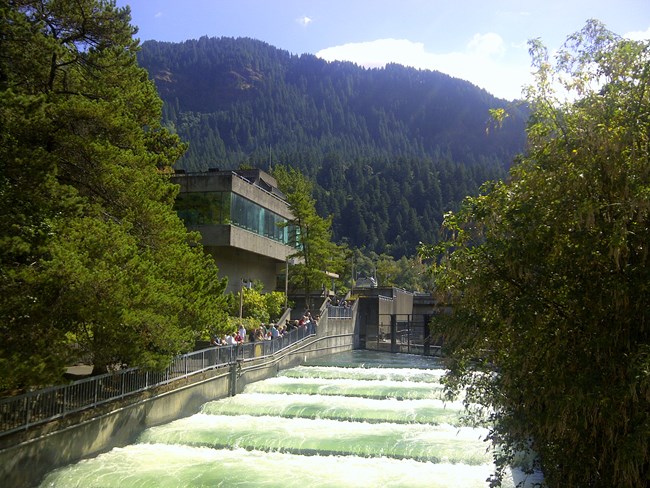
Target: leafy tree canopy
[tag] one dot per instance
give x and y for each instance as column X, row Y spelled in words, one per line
column 94, row 263
column 316, row 254
column 408, row 273
column 549, row 278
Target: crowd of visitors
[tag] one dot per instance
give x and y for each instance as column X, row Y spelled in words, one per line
column 266, row 332
column 338, row 302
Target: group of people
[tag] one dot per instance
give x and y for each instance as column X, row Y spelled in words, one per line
column 266, row 332
column 338, row 302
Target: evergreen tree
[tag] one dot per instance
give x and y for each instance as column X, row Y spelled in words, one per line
column 94, row 262
column 373, row 135
column 316, row 253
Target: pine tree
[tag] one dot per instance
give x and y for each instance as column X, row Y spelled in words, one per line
column 94, row 262
column 316, row 253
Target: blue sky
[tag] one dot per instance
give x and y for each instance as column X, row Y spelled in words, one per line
column 483, row 41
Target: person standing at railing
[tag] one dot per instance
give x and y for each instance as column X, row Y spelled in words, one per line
column 230, row 339
column 259, row 334
column 274, row 331
column 307, row 322
column 238, row 338
column 242, row 332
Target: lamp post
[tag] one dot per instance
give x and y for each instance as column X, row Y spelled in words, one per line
column 248, row 283
column 286, row 283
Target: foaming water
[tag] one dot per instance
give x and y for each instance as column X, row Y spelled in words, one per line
column 378, row 359
column 321, row 436
column 377, row 374
column 356, row 419
column 173, row 466
column 348, row 387
column 430, row 411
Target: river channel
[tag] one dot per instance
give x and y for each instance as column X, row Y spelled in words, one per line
column 355, row 419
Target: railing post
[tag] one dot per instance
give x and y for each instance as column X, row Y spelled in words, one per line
column 233, row 378
column 408, row 333
column 426, row 335
column 28, row 409
column 233, row 369
column 393, row 333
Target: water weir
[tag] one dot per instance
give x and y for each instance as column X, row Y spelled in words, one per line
column 355, row 419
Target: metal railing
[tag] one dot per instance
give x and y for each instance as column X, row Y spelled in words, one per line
column 339, row 312
column 405, row 333
column 41, row 406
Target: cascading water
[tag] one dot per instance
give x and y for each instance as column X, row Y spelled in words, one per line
column 357, row 419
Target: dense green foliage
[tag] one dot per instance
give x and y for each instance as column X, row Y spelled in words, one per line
column 390, row 150
column 549, row 278
column 255, row 307
column 407, row 273
column 94, row 263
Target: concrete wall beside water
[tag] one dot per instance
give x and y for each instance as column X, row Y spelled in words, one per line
column 26, row 457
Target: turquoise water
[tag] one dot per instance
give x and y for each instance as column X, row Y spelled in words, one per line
column 357, row 419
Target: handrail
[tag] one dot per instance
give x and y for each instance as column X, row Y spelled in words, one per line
column 286, row 315
column 40, row 406
column 252, row 183
column 339, row 312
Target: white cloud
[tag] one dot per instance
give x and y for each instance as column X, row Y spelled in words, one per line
column 158, row 15
column 486, row 45
column 305, row 20
column 638, row 35
column 375, row 54
column 483, row 62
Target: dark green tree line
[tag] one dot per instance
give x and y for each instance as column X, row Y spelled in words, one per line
column 373, row 141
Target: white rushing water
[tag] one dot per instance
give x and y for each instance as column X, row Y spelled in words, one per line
column 357, row 419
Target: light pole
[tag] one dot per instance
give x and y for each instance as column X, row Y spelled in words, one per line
column 248, row 283
column 286, row 283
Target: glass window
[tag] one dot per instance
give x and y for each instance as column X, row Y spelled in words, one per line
column 203, row 208
column 212, row 208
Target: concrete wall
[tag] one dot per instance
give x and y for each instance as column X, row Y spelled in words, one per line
column 228, row 181
column 240, row 253
column 221, row 235
column 27, row 456
column 237, row 264
column 403, row 302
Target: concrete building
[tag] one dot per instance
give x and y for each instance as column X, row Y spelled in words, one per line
column 238, row 214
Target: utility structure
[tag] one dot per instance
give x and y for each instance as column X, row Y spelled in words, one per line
column 240, row 216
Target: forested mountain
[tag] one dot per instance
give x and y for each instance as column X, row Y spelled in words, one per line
column 390, row 149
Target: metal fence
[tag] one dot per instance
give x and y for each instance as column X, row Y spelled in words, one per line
column 41, row 406
column 339, row 312
column 406, row 333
